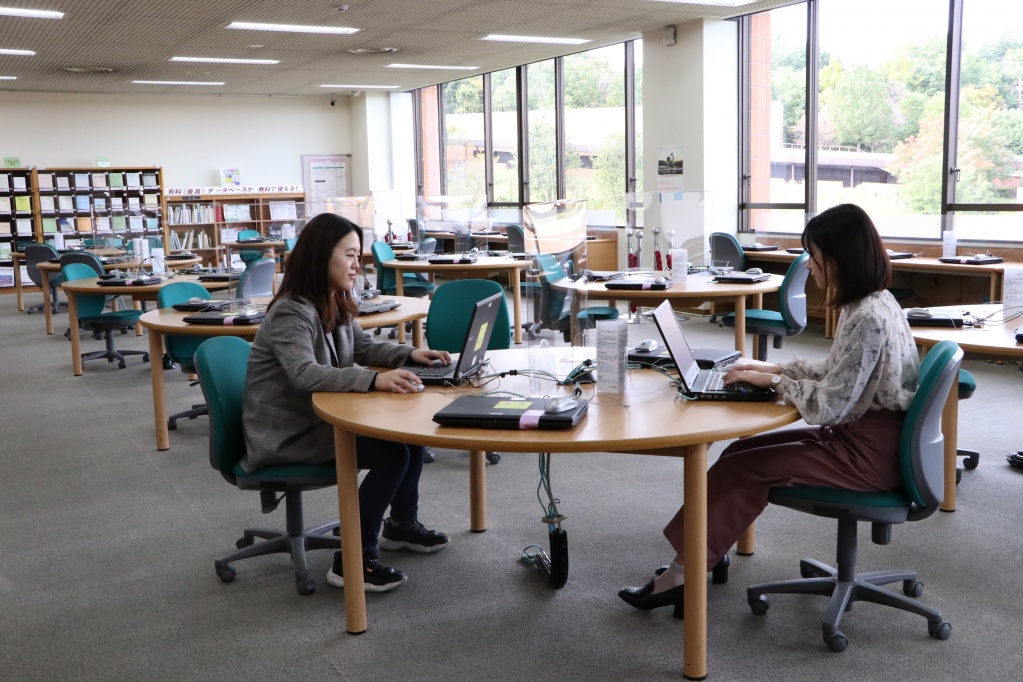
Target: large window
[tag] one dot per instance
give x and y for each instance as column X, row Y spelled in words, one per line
column 505, row 108
column 464, row 156
column 543, row 139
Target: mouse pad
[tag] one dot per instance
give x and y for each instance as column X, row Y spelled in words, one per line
column 496, row 412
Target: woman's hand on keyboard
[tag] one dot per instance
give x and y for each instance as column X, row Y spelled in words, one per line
column 738, row 375
column 429, row 357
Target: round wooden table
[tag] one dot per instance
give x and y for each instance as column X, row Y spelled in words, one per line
column 656, row 422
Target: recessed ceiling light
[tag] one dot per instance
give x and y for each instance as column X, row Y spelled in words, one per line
column 88, row 69
column 224, row 60
column 361, row 87
column 30, row 13
column 178, row 82
column 534, row 39
column 372, row 50
column 291, row 28
column 431, row 66
column 8, row 78
column 22, row 53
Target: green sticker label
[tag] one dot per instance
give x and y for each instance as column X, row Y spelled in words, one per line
column 482, row 335
column 513, row 405
column 12, row 162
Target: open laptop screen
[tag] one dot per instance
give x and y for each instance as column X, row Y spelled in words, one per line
column 678, row 347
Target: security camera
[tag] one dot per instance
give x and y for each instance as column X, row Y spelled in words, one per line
column 333, row 101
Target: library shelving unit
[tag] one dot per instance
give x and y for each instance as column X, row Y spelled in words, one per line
column 18, row 218
column 84, row 203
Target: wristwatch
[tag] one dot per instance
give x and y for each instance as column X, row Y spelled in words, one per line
column 776, row 379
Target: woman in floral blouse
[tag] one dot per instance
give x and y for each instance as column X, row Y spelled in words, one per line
column 854, row 400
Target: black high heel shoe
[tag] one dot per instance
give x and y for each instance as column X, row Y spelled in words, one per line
column 645, row 599
column 718, row 574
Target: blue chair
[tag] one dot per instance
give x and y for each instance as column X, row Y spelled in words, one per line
column 921, row 459
column 249, row 256
column 221, row 363
column 725, row 250
column 92, row 317
column 791, row 320
column 181, row 347
column 387, row 281
column 556, row 303
column 258, row 279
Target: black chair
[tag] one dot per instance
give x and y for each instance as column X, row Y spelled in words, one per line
column 34, row 255
column 221, row 363
column 92, row 317
column 921, row 459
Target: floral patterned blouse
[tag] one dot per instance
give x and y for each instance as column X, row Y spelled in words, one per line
column 872, row 365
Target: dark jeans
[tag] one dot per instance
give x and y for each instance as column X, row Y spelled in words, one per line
column 393, row 480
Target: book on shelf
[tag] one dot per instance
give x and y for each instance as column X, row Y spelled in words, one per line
column 100, row 203
column 49, row 225
column 102, row 223
column 115, row 180
column 118, row 223
column 72, row 243
column 5, row 227
column 66, row 225
column 5, row 250
column 5, row 204
column 64, row 202
column 150, row 200
column 5, row 182
column 19, row 183
column 46, row 204
column 44, row 181
column 133, row 179
column 228, row 235
column 81, row 202
column 237, row 212
column 135, row 223
column 133, row 203
column 149, row 180
column 7, row 277
column 82, row 181
column 23, row 204
column 99, row 180
column 85, row 224
column 63, row 182
column 152, row 224
column 283, row 210
column 23, row 226
column 116, row 204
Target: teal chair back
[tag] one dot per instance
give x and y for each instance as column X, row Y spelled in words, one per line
column 221, row 363
column 792, row 294
column 258, row 278
column 249, row 256
column 554, row 304
column 289, row 243
column 451, row 311
column 386, row 280
column 89, row 305
column 516, row 238
column 154, row 243
column 181, row 348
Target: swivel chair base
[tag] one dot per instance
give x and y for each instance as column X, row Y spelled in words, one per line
column 296, row 541
column 196, row 411
column 112, row 353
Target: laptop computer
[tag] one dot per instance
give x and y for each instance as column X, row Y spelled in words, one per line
column 493, row 412
column 453, row 258
column 225, row 317
column 694, row 382
column 920, row 317
column 205, row 306
column 140, row 281
column 657, row 283
column 760, row 247
column 220, row 276
column 371, row 307
column 741, row 278
column 899, row 255
column 979, row 259
column 474, row 349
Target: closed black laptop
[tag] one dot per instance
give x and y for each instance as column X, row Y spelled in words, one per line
column 639, row 283
column 128, row 281
column 377, row 306
column 453, row 258
column 971, row 260
column 492, row 412
column 474, row 349
column 694, row 382
column 224, row 317
column 899, row 255
column 205, row 306
column 220, row 276
column 741, row 278
column 760, row 247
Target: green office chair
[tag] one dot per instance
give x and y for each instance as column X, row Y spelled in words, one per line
column 181, row 347
column 249, row 256
column 725, row 250
column 289, row 244
column 447, row 322
column 921, row 457
column 92, row 317
column 556, row 304
column 791, row 320
column 221, row 363
column 387, row 282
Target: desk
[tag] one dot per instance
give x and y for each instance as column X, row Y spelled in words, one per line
column 48, row 269
column 991, row 339
column 482, row 266
column 654, row 425
column 17, row 257
column 696, row 288
column 171, row 321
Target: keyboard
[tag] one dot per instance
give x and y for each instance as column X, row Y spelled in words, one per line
column 715, row 382
column 433, row 370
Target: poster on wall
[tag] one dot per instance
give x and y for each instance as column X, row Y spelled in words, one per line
column 324, row 177
column 669, row 169
column 230, row 177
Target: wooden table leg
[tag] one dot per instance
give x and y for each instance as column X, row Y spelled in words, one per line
column 351, row 535
column 47, row 310
column 17, row 284
column 137, row 305
column 76, row 344
column 516, row 278
column 399, row 290
column 159, row 389
column 950, row 430
column 477, row 491
column 745, row 544
column 417, row 333
column 694, row 666
column 740, row 324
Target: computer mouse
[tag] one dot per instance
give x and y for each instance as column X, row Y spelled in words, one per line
column 417, row 387
column 754, row 271
column 918, row 312
column 646, row 346
column 758, row 245
column 979, row 256
column 563, row 404
column 660, row 280
column 197, row 300
column 248, row 312
column 889, row 252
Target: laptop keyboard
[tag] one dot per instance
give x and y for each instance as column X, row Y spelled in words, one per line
column 433, row 371
column 715, row 381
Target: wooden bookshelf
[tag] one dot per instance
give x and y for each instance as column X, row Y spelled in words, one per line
column 19, row 217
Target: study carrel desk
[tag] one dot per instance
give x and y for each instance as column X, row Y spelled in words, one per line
column 654, row 424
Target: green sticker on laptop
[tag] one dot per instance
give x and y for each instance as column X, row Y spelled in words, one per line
column 513, row 405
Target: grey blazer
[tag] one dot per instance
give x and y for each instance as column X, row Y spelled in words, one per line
column 291, row 359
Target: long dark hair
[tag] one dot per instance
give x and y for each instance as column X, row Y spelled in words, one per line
column 307, row 275
column 846, row 238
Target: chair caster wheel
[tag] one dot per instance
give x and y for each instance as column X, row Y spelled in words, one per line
column 493, row 457
column 971, row 461
column 942, row 630
column 758, row 605
column 168, row 363
column 306, row 586
column 124, row 331
column 836, row 642
column 429, row 456
column 122, row 364
column 912, row 588
column 226, row 574
column 172, row 425
column 959, row 475
column 719, row 574
column 145, row 358
column 245, row 541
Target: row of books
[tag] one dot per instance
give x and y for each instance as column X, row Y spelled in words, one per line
column 100, row 224
column 190, row 214
column 21, row 204
column 18, row 182
column 21, row 227
column 85, row 203
column 190, row 240
column 111, row 180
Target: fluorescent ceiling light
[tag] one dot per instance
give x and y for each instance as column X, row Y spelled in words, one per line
column 361, row 87
column 291, row 28
column 534, row 39
column 431, row 66
column 224, row 60
column 178, row 82
column 25, row 53
column 30, row 13
column 8, row 78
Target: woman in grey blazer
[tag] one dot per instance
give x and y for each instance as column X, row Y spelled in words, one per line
column 309, row 341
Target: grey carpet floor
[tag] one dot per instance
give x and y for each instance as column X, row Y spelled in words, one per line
column 107, row 548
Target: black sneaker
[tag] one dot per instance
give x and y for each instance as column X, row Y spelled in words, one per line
column 411, row 536
column 376, row 577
